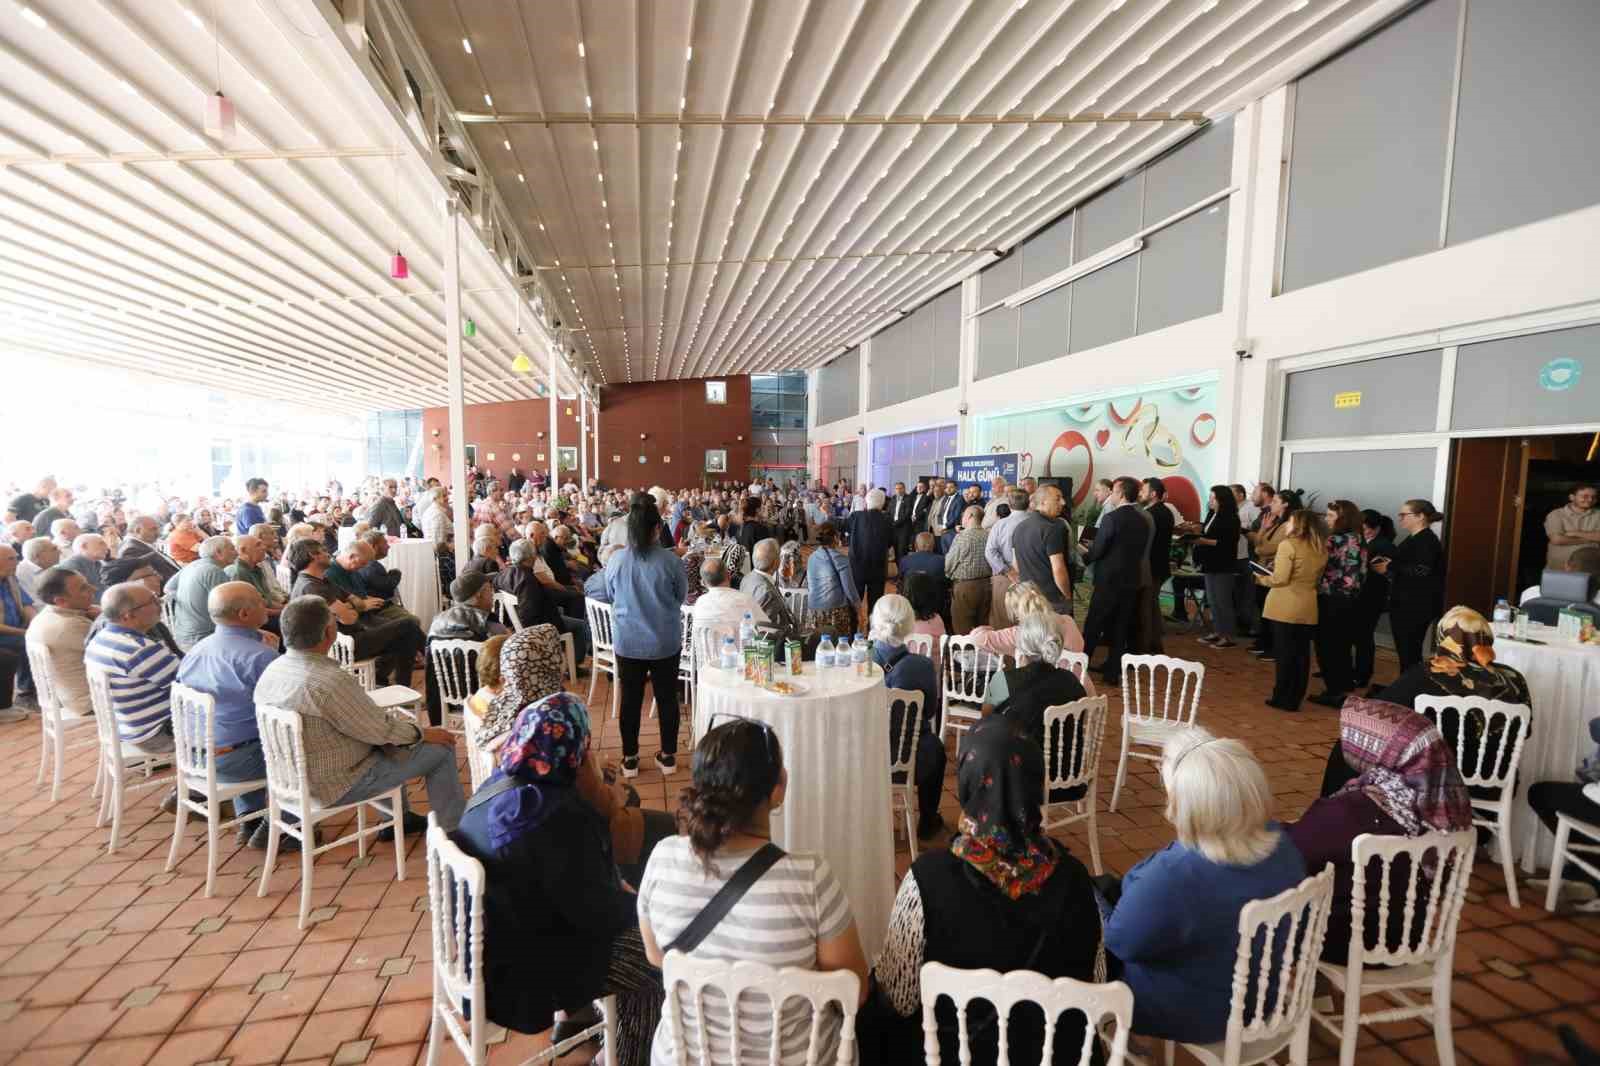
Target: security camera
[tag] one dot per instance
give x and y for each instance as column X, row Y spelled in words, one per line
column 1241, row 348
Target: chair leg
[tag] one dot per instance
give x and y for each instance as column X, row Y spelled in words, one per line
column 213, row 838
column 398, row 807
column 307, row 857
column 1443, row 1033
column 911, row 817
column 1094, row 837
column 1351, row 1031
column 361, row 830
column 1122, row 768
column 1300, row 1046
column 114, row 791
column 594, row 679
column 1558, row 862
column 1169, row 1051
column 60, row 754
column 616, row 693
column 180, row 822
column 1502, row 837
column 274, row 818
column 608, row 1011
column 44, row 753
column 435, row 1031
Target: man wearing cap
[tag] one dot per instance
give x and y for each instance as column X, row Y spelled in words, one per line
column 467, row 618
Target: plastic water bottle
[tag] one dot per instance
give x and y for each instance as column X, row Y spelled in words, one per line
column 730, row 655
column 858, row 654
column 825, row 654
column 747, row 631
column 1502, row 611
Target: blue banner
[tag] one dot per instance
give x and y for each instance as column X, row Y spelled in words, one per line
column 980, row 470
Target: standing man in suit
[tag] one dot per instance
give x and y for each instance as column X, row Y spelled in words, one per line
column 946, row 515
column 901, row 508
column 1148, row 627
column 1119, row 554
column 871, row 535
column 921, row 509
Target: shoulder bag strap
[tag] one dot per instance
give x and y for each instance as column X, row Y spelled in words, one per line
column 504, row 783
column 725, row 899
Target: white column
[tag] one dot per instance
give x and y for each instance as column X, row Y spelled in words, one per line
column 596, row 441
column 583, row 439
column 458, row 419
column 555, row 466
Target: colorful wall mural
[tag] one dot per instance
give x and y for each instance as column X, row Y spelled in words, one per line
column 1168, row 433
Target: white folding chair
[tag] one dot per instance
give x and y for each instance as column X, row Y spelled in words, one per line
column 1280, row 941
column 169, row 611
column 505, row 609
column 569, row 649
column 686, row 660
column 903, row 757
column 921, row 643
column 797, row 601
column 603, row 659
column 1566, row 851
column 194, row 715
column 58, row 728
column 1419, row 958
column 1073, row 735
column 343, row 652
column 966, row 672
column 455, row 671
column 1103, row 1006
column 699, row 992
column 480, row 763
column 1078, row 663
column 115, row 762
column 283, row 744
column 1487, row 761
column 1160, row 695
column 455, row 915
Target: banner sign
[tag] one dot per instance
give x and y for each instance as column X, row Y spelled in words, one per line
column 980, row 470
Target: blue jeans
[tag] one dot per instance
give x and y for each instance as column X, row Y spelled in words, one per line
column 1219, row 597
column 247, row 762
column 579, row 628
column 393, row 767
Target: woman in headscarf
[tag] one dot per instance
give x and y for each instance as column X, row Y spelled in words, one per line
column 553, row 890
column 791, row 570
column 1003, row 896
column 1405, row 783
column 530, row 670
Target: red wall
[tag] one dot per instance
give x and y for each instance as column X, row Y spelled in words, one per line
column 679, row 426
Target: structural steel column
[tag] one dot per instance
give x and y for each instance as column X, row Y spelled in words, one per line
column 457, row 479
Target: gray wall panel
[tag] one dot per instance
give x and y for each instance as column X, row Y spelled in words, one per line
column 1398, row 395
column 997, row 342
column 1526, row 147
column 1367, row 166
column 1103, row 305
column 1382, row 479
column 1542, row 379
column 1202, row 165
column 1110, row 217
column 1044, row 330
column 838, row 386
column 1180, row 270
column 1047, row 252
column 946, row 361
column 1001, row 280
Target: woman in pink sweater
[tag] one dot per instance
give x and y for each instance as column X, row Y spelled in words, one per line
column 1024, row 598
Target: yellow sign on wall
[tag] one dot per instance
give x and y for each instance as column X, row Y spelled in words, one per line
column 1342, row 400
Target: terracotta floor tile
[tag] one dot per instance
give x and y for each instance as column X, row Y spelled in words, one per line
column 418, row 984
column 369, row 953
column 257, row 1043
column 79, row 1023
column 318, row 958
column 221, row 1007
column 63, row 987
column 61, row 1055
column 128, row 1051
column 400, row 1023
column 36, row 958
column 159, row 1017
column 399, row 1055
column 354, row 989
column 249, row 965
column 199, row 1045
column 18, row 1032
column 298, row 997
column 322, row 1037
column 194, row 972
column 278, row 933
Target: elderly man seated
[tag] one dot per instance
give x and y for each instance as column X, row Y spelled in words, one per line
column 226, row 666
column 89, row 553
column 143, row 542
column 393, row 643
column 537, row 603
column 61, row 629
column 485, row 557
column 18, row 533
column 762, row 586
column 64, row 531
column 468, row 617
column 354, row 751
column 721, row 608
column 118, row 571
column 345, row 574
column 375, row 579
column 38, row 555
column 16, row 612
column 252, row 552
column 190, row 590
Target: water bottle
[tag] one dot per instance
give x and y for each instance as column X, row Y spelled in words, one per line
column 1520, row 630
column 825, row 655
column 1502, row 611
column 730, row 655
column 747, row 631
column 858, row 654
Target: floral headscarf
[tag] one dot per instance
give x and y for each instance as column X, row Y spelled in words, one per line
column 1000, row 783
column 1404, row 766
column 1463, row 665
column 530, row 670
column 548, row 742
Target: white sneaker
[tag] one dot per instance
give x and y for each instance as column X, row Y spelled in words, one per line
column 667, row 764
column 630, row 767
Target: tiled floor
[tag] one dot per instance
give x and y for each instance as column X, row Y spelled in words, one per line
column 108, row 959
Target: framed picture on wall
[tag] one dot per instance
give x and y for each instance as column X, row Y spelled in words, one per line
column 716, row 392
column 716, row 461
column 567, row 458
column 472, row 454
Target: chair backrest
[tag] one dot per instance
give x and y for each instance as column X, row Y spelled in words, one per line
column 966, row 669
column 903, row 741
column 1487, row 735
column 1073, row 733
column 686, row 650
column 44, row 684
column 745, row 985
column 455, row 913
column 1076, row 661
column 283, row 745
column 1280, row 941
column 1436, row 868
column 455, row 669
column 505, row 609
column 1098, row 1003
column 343, row 651
column 105, row 715
column 169, row 611
column 1160, row 688
column 796, row 599
column 921, row 643
column 480, row 763
column 194, row 715
column 602, row 626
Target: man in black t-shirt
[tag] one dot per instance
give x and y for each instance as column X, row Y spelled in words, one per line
column 1039, row 546
column 29, row 504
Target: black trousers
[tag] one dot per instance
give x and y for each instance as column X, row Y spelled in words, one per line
column 1264, row 628
column 394, row 644
column 1410, row 626
column 1337, row 622
column 663, row 675
column 1550, row 798
column 1364, row 636
column 10, row 660
column 1110, row 621
column 902, row 541
column 1292, row 652
column 869, row 590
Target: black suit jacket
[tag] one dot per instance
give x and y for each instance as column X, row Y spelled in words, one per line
column 949, row 511
column 1161, row 543
column 162, row 563
column 899, row 509
column 1119, row 549
column 921, row 511
column 870, row 539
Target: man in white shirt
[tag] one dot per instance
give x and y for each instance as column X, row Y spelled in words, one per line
column 997, row 496
column 1248, row 511
column 720, row 608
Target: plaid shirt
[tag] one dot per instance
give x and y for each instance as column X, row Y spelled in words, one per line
column 342, row 727
column 965, row 560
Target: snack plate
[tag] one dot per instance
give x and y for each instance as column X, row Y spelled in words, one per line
column 795, row 686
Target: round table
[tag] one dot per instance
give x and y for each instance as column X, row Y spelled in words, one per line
column 419, row 577
column 1563, row 678
column 835, row 742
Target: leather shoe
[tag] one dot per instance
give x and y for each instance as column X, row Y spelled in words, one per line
column 415, row 825
column 258, row 841
column 169, row 805
column 1329, row 699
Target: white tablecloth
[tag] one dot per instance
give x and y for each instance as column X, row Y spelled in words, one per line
column 1564, row 685
column 419, row 577
column 836, row 748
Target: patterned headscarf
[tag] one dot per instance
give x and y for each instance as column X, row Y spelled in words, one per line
column 548, row 742
column 530, row 670
column 1405, row 766
column 1000, row 783
column 1463, row 664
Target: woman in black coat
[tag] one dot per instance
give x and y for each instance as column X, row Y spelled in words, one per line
column 1377, row 533
column 1415, row 571
column 871, row 536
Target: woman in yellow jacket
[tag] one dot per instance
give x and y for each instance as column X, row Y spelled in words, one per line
column 1291, row 606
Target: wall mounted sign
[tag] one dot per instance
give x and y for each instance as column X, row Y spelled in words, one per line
column 540, row 457
column 666, row 458
column 716, row 392
column 716, row 461
column 1343, row 400
column 1559, row 375
column 614, row 458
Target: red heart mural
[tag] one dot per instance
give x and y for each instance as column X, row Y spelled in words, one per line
column 1070, row 457
column 1123, row 419
column 1102, row 438
column 1024, row 464
column 1182, row 494
column 1203, row 430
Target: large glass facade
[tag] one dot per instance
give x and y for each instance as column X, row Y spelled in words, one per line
column 778, row 422
column 393, row 443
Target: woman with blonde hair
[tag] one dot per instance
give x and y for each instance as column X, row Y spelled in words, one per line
column 1291, row 606
column 1024, row 598
column 1174, row 929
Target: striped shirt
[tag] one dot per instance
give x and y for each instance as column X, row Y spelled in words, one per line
column 778, row 922
column 141, row 670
